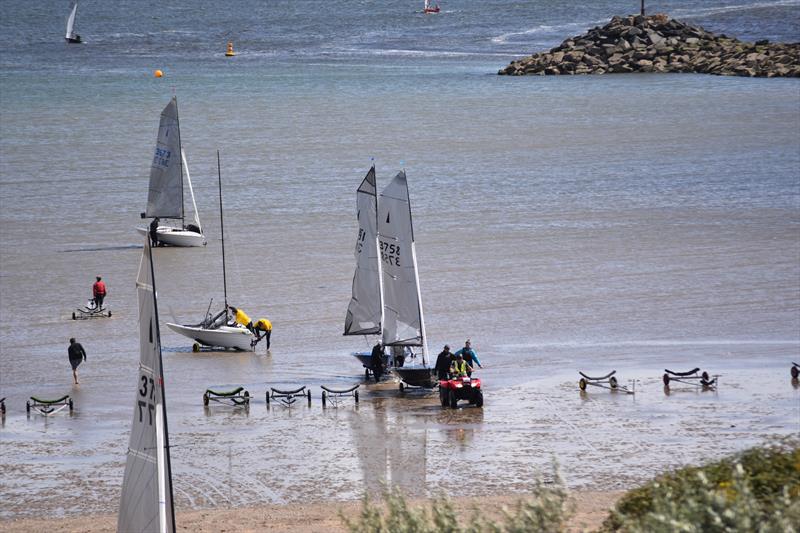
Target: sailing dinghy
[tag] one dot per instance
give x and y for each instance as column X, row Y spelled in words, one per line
column 146, row 503
column 429, row 9
column 214, row 331
column 71, row 36
column 165, row 196
column 404, row 324
column 365, row 311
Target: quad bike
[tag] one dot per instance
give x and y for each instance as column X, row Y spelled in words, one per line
column 460, row 388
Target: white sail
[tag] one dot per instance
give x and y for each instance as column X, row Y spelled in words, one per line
column 364, row 314
column 165, row 197
column 71, row 21
column 403, row 323
column 146, row 503
column 191, row 192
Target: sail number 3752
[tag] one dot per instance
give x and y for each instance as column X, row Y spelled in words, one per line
column 390, row 253
column 147, row 399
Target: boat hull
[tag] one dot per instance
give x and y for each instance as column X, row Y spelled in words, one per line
column 223, row 337
column 416, row 376
column 176, row 236
column 365, row 358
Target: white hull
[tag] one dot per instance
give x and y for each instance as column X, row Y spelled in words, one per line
column 176, row 237
column 237, row 338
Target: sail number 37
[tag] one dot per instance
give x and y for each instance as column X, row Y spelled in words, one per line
column 147, row 399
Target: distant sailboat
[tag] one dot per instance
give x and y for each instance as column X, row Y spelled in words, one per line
column 71, row 36
column 430, row 8
column 403, row 321
column 214, row 331
column 146, row 503
column 165, row 196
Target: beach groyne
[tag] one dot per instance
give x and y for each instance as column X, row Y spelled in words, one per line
column 658, row 43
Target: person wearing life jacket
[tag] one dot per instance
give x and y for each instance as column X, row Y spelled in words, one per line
column 262, row 329
column 99, row 292
column 241, row 318
column 460, row 367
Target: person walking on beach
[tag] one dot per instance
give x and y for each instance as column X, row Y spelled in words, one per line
column 241, row 318
column 77, row 355
column 469, row 356
column 443, row 363
column 99, row 292
column 265, row 326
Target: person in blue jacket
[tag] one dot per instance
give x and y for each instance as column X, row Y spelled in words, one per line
column 469, row 356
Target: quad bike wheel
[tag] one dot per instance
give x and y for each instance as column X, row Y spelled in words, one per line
column 582, row 384
column 453, row 399
column 613, row 382
column 443, row 398
column 479, row 399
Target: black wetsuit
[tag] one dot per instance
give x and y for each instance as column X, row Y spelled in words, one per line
column 443, row 362
column 76, row 354
column 377, row 361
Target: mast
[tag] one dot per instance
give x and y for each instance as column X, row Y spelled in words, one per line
column 378, row 247
column 416, row 279
column 162, row 452
column 222, row 232
column 180, row 161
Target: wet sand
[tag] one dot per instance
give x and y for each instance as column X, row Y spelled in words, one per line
column 590, row 508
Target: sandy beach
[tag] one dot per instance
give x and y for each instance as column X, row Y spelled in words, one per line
column 590, row 510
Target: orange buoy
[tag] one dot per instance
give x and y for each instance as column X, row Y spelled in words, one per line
column 158, row 74
column 230, row 52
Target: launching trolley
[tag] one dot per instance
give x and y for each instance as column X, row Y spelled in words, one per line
column 49, row 407
column 609, row 381
column 691, row 377
column 90, row 310
column 236, row 397
column 288, row 397
column 336, row 396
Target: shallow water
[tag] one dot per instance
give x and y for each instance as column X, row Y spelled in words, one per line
column 625, row 222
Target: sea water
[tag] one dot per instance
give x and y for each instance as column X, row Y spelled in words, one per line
column 630, row 222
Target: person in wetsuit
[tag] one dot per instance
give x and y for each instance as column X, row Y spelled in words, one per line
column 77, row 355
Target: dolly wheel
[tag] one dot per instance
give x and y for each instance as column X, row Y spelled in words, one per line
column 366, row 374
column 323, row 398
column 73, row 316
column 267, row 397
column 309, row 397
column 71, row 406
column 109, row 314
column 666, row 380
column 613, row 382
column 582, row 384
column 704, row 375
column 205, row 398
column 246, row 397
column 402, row 387
column 28, row 407
column 196, row 347
column 355, row 395
column 795, row 372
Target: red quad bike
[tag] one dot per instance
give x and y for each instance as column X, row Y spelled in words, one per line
column 460, row 388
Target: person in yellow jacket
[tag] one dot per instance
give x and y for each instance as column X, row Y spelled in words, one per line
column 241, row 318
column 265, row 326
column 460, row 367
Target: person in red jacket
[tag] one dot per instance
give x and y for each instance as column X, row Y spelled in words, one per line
column 99, row 292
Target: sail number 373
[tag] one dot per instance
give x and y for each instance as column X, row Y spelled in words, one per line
column 390, row 253
column 147, row 399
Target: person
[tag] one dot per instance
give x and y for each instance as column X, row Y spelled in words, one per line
column 77, row 355
column 154, row 232
column 443, row 362
column 469, row 356
column 263, row 325
column 376, row 360
column 99, row 292
column 460, row 367
column 241, row 318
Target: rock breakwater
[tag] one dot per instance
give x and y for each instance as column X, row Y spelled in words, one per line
column 659, row 44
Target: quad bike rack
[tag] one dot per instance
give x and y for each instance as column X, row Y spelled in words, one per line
column 691, row 377
column 90, row 310
column 48, row 407
column 336, row 396
column 795, row 370
column 288, row 397
column 236, row 397
column 609, row 381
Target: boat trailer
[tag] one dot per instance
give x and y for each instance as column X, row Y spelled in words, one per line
column 90, row 310
column 609, row 381
column 690, row 377
column 48, row 407
column 236, row 397
column 336, row 396
column 288, row 397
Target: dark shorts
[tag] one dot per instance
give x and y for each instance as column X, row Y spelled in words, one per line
column 75, row 362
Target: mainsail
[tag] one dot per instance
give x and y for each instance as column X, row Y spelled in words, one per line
column 146, row 504
column 403, row 323
column 365, row 312
column 165, row 197
column 71, row 22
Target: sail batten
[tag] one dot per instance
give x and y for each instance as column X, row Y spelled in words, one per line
column 403, row 324
column 146, row 503
column 365, row 312
column 165, row 195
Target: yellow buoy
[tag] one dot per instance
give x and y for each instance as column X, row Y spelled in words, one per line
column 230, row 52
column 158, row 73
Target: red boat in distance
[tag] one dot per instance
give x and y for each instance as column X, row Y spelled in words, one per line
column 430, row 8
